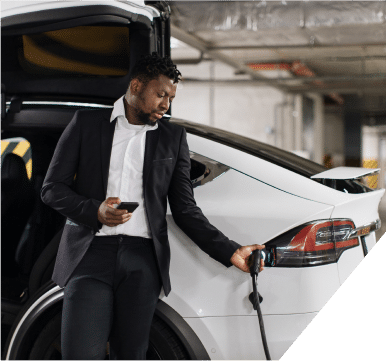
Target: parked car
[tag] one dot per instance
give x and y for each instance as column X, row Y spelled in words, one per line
column 58, row 57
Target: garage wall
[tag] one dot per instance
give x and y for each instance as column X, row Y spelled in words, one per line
column 262, row 113
column 241, row 109
column 248, row 111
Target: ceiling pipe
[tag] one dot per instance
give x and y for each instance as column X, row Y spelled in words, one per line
column 289, row 46
column 203, row 46
column 375, row 89
column 302, row 70
column 340, row 78
column 301, row 89
column 190, row 61
column 337, row 78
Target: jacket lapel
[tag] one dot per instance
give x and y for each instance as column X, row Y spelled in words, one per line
column 107, row 136
column 152, row 137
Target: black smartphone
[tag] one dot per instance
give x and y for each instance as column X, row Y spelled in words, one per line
column 129, row 206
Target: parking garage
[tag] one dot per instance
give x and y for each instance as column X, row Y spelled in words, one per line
column 308, row 77
column 273, row 95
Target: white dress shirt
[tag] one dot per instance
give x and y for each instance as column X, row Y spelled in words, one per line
column 126, row 172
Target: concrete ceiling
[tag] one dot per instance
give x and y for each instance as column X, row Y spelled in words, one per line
column 340, row 45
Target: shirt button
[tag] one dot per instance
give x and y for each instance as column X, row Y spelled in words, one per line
column 120, row 239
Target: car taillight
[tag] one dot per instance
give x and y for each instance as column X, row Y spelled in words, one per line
column 313, row 244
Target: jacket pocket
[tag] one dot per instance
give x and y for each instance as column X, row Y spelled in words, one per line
column 164, row 161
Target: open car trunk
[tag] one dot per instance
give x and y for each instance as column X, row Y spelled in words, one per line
column 55, row 52
column 77, row 50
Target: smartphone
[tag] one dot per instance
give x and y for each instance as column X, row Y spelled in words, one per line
column 129, row 206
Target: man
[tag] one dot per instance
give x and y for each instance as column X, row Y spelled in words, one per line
column 113, row 263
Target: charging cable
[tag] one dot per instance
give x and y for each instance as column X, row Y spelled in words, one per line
column 254, row 270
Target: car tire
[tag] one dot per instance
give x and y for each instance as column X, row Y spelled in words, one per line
column 163, row 345
column 47, row 345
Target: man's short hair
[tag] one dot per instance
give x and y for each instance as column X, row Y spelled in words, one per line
column 150, row 67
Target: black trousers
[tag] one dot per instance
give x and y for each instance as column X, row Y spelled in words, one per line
column 111, row 296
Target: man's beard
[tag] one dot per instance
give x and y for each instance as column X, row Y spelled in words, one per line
column 144, row 118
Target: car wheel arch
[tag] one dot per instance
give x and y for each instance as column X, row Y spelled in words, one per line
column 46, row 301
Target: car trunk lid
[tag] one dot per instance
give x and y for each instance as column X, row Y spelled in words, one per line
column 77, row 50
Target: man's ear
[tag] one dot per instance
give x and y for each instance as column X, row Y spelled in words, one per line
column 135, row 86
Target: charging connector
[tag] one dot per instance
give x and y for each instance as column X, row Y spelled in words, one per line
column 254, row 269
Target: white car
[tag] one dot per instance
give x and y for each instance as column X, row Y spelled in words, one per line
column 319, row 224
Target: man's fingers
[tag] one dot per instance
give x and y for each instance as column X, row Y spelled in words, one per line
column 113, row 221
column 116, row 212
column 113, row 200
column 109, row 215
column 127, row 217
column 112, row 217
column 253, row 247
column 245, row 268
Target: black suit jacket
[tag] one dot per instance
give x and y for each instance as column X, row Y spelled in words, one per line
column 76, row 184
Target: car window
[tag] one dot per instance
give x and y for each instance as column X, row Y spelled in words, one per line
column 20, row 147
column 264, row 151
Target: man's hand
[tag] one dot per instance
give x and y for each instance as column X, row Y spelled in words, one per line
column 241, row 256
column 111, row 216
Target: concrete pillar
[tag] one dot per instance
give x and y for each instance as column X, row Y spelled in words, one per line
column 334, row 135
column 211, row 94
column 382, row 161
column 352, row 131
column 284, row 123
column 373, row 153
column 298, row 123
column 318, row 151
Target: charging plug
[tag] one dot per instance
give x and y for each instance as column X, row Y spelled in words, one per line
column 254, row 262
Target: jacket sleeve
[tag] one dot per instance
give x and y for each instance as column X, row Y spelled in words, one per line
column 56, row 191
column 189, row 217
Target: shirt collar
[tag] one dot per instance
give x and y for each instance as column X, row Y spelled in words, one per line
column 119, row 111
